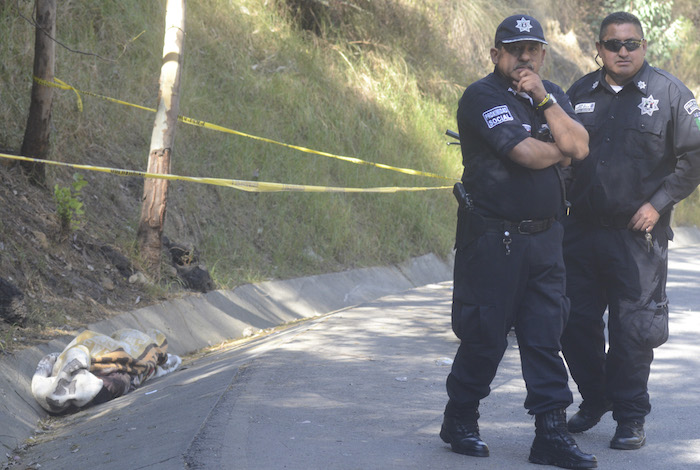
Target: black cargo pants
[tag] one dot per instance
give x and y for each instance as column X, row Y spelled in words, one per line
column 620, row 270
column 492, row 292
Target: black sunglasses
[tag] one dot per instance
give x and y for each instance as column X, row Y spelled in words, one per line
column 614, row 45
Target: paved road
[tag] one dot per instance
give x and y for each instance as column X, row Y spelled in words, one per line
column 364, row 389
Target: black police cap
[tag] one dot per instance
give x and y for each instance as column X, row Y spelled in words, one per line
column 519, row 28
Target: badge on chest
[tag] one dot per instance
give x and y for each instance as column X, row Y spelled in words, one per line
column 649, row 105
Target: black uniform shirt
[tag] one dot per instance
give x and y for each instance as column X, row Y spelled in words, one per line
column 644, row 144
column 493, row 119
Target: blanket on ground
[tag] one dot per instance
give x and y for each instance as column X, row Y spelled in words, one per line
column 95, row 368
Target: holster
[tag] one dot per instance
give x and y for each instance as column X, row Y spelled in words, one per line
column 470, row 226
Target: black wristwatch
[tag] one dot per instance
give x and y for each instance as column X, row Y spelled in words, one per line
column 548, row 101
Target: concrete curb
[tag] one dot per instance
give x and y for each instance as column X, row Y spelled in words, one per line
column 200, row 320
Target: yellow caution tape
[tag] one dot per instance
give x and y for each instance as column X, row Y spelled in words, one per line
column 207, row 125
column 64, row 86
column 68, row 87
column 243, row 185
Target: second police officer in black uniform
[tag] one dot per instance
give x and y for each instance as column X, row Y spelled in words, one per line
column 515, row 129
column 644, row 127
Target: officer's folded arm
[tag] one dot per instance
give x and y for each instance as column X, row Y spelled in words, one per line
column 570, row 142
column 537, row 155
column 569, row 135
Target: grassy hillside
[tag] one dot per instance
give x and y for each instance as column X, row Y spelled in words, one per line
column 376, row 80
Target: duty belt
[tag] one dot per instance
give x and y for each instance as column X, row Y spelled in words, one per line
column 524, row 227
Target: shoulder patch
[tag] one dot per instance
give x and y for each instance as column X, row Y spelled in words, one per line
column 691, row 106
column 497, row 115
column 584, row 108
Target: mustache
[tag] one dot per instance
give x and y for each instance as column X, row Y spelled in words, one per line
column 525, row 66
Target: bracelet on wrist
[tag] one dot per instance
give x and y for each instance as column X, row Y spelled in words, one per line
column 548, row 101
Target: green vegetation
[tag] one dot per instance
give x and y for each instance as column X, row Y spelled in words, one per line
column 69, row 207
column 376, row 80
column 670, row 27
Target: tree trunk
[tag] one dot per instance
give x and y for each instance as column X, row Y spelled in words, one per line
column 155, row 191
column 36, row 134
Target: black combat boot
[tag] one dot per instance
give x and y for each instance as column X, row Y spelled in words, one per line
column 460, row 429
column 587, row 417
column 553, row 445
column 629, row 435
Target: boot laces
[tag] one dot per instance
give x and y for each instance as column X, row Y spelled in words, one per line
column 566, row 437
column 468, row 429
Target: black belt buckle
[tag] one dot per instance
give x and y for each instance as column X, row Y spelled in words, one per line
column 526, row 227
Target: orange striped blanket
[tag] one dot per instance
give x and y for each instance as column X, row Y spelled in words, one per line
column 95, row 368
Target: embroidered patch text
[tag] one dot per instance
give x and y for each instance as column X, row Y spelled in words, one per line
column 497, row 115
column 584, row 108
column 691, row 106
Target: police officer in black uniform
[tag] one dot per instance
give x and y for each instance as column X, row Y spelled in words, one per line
column 515, row 129
column 644, row 127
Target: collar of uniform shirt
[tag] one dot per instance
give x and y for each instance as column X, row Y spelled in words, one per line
column 640, row 80
column 522, row 95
